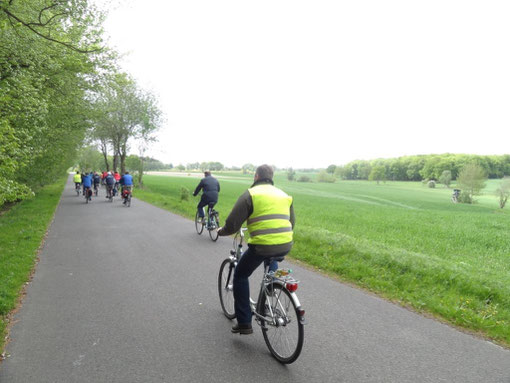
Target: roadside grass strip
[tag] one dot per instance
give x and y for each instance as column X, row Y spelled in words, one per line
column 22, row 230
column 404, row 241
column 459, row 293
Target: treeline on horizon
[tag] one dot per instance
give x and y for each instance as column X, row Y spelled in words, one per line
column 423, row 167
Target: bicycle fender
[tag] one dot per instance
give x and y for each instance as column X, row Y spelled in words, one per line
column 301, row 318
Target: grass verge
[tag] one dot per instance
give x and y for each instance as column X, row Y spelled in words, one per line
column 22, row 229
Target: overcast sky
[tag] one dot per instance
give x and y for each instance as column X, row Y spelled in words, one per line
column 313, row 83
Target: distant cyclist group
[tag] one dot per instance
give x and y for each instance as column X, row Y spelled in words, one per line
column 88, row 183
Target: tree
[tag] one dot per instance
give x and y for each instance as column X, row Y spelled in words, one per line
column 291, row 174
column 472, row 180
column 89, row 159
column 331, row 169
column 126, row 112
column 248, row 168
column 446, row 178
column 49, row 59
column 503, row 192
column 378, row 173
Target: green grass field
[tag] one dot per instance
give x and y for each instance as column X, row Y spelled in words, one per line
column 402, row 240
column 22, row 229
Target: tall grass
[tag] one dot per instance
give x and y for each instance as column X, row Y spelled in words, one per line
column 400, row 239
column 22, row 229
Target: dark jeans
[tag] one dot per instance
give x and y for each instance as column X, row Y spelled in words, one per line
column 246, row 266
column 203, row 203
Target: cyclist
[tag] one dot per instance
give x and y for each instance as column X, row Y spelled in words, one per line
column 270, row 218
column 110, row 182
column 127, row 183
column 87, row 184
column 97, row 180
column 211, row 188
column 117, row 177
column 77, row 180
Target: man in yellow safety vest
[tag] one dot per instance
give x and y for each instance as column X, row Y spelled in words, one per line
column 270, row 217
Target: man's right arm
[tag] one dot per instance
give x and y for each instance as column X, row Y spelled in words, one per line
column 197, row 190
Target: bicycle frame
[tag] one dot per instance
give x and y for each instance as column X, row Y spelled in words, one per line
column 268, row 280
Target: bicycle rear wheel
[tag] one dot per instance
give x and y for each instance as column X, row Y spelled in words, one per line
column 213, row 229
column 285, row 334
column 226, row 288
column 199, row 226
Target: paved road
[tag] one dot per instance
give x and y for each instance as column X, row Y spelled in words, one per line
column 129, row 295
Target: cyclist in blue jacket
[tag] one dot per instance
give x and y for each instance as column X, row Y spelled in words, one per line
column 127, row 183
column 87, row 184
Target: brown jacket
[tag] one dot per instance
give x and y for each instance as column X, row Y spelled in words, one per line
column 242, row 211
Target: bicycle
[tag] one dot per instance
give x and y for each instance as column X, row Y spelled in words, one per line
column 96, row 189
column 109, row 193
column 455, row 195
column 277, row 310
column 211, row 221
column 126, row 196
column 88, row 194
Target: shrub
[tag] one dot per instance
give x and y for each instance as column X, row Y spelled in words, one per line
column 185, row 194
column 503, row 192
column 304, row 179
column 324, row 176
column 446, row 178
column 431, row 184
column 291, row 174
column 465, row 197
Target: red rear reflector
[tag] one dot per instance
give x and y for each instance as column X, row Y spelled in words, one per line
column 291, row 287
column 301, row 312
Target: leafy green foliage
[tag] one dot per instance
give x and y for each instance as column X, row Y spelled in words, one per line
column 503, row 192
column 304, row 178
column 124, row 111
column 417, row 168
column 291, row 174
column 378, row 173
column 471, row 180
column 324, row 176
column 446, row 178
column 49, row 57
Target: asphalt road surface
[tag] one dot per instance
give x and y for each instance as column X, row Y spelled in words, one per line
column 130, row 295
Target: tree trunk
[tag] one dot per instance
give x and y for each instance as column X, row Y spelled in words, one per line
column 140, row 174
column 104, row 150
column 123, row 159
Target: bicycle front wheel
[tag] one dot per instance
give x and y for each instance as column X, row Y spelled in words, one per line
column 284, row 334
column 199, row 226
column 226, row 288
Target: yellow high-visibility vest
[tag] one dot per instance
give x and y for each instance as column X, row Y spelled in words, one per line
column 77, row 178
column 269, row 223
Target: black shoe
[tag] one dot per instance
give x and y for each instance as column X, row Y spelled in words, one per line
column 244, row 329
